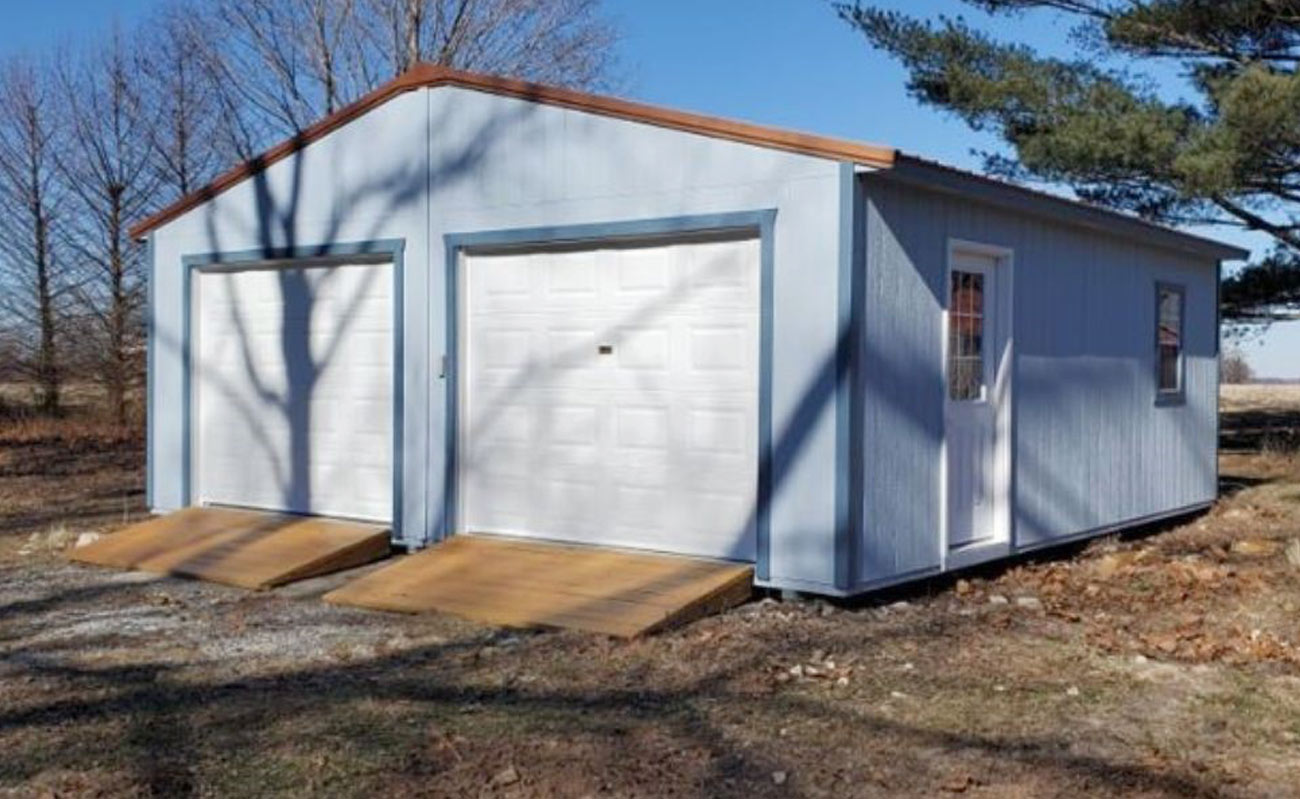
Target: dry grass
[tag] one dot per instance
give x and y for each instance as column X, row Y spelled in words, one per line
column 1159, row 664
column 82, row 402
column 66, row 475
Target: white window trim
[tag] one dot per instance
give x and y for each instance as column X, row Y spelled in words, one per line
column 1178, row 394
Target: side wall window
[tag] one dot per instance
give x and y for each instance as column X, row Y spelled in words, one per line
column 1169, row 341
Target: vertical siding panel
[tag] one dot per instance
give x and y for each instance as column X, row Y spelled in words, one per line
column 1092, row 447
column 902, row 395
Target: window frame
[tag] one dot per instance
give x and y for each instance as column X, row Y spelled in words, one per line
column 1178, row 394
column 987, row 374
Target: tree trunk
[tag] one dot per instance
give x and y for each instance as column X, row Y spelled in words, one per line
column 48, row 377
column 47, row 361
column 414, row 20
column 116, row 373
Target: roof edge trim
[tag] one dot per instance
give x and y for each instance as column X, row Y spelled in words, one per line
column 939, row 177
column 426, row 75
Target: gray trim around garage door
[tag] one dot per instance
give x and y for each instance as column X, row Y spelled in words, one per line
column 760, row 222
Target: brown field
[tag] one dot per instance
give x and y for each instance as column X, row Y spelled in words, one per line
column 1158, row 663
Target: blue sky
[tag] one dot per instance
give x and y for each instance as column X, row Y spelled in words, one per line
column 789, row 63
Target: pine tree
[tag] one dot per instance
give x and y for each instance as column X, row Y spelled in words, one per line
column 1226, row 153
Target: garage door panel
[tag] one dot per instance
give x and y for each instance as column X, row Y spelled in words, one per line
column 350, row 448
column 573, row 425
column 719, row 348
column 504, row 348
column 503, row 460
column 360, row 340
column 502, row 424
column 570, row 278
column 643, row 428
column 621, row 447
column 642, row 349
column 293, row 389
column 640, row 274
column 568, row 355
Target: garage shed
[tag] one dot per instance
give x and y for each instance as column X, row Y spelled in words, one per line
column 466, row 304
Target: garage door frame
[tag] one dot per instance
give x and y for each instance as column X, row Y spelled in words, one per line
column 760, row 223
column 378, row 251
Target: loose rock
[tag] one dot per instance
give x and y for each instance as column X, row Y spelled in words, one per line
column 507, row 776
column 1255, row 547
column 1292, row 552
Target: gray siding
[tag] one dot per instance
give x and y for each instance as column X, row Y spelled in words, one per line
column 452, row 161
column 1091, row 448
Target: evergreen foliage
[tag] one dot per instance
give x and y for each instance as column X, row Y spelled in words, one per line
column 1225, row 153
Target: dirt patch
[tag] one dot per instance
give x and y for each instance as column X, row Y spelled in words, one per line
column 1154, row 664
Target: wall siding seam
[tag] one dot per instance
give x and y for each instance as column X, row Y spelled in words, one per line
column 428, row 530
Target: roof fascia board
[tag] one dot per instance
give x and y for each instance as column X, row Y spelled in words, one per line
column 232, row 177
column 432, row 76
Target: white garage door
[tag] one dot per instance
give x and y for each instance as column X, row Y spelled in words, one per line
column 610, row 396
column 292, row 389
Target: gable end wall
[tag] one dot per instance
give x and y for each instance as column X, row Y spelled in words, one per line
column 447, row 161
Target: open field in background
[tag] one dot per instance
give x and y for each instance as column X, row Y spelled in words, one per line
column 60, row 477
column 1160, row 663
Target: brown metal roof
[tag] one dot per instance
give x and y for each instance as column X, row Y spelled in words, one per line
column 430, row 75
column 941, row 177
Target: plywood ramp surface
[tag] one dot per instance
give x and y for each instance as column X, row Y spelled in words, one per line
column 250, row 549
column 517, row 583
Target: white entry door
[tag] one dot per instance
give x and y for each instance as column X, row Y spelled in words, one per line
column 610, row 396
column 292, row 389
column 976, row 382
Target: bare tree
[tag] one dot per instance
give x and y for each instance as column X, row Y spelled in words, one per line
column 30, row 272
column 93, row 145
column 565, row 42
column 282, row 64
column 1234, row 368
column 279, row 64
column 109, row 168
column 178, row 94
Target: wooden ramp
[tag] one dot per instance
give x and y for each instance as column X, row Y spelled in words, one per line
column 250, row 549
column 518, row 583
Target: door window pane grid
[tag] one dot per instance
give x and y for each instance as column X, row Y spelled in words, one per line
column 966, row 336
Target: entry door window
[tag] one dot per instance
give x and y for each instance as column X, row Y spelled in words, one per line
column 966, row 378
